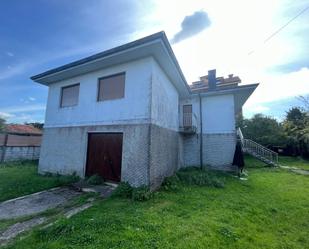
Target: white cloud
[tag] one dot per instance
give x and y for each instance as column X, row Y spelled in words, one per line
column 259, row 108
column 9, row 54
column 6, row 115
column 192, row 25
column 26, row 108
column 234, row 33
column 280, row 86
column 44, row 58
column 14, row 70
column 22, row 118
column 31, row 98
column 238, row 27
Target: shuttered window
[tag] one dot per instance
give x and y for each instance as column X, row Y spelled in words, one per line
column 111, row 87
column 69, row 95
column 187, row 115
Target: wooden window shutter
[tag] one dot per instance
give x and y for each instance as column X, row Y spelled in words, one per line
column 111, row 87
column 69, row 95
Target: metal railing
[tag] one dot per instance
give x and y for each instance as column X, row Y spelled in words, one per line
column 187, row 119
column 188, row 123
column 257, row 150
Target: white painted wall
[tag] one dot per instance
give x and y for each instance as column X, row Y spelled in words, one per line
column 133, row 108
column 145, row 83
column 165, row 100
column 218, row 114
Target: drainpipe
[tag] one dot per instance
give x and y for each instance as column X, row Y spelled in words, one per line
column 201, row 133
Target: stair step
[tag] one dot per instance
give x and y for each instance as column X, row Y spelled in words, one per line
column 257, row 150
column 261, row 158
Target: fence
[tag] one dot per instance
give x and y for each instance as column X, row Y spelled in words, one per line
column 15, row 146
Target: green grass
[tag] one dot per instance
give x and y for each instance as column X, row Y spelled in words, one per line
column 21, row 178
column 251, row 162
column 297, row 162
column 269, row 210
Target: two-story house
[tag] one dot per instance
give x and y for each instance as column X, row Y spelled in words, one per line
column 128, row 114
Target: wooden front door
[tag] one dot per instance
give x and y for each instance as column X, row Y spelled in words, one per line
column 104, row 155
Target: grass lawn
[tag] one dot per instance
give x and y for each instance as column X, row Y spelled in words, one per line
column 21, row 178
column 269, row 210
column 297, row 162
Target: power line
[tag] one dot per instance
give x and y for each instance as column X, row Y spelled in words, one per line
column 281, row 28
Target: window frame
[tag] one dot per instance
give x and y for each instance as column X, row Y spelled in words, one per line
column 61, row 95
column 110, row 76
column 184, row 118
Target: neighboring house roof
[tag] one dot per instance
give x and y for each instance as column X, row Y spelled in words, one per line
column 22, row 129
column 155, row 45
column 221, row 83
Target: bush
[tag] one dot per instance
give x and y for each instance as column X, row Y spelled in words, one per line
column 141, row 194
column 19, row 163
column 95, row 180
column 171, row 183
column 124, row 189
column 70, row 178
column 62, row 179
column 217, row 183
column 196, row 176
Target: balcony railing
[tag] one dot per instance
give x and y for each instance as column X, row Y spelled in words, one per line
column 188, row 123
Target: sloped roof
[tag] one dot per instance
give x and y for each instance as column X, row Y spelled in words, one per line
column 23, row 129
column 221, row 83
column 155, row 45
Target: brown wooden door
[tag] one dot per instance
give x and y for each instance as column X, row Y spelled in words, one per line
column 104, row 155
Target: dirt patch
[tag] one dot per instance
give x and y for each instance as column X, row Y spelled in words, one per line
column 39, row 202
column 20, row 227
column 301, row 171
column 104, row 190
column 36, row 203
column 77, row 210
column 296, row 170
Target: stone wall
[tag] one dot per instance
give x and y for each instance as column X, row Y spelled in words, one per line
column 164, row 160
column 218, row 150
column 150, row 152
column 64, row 151
column 191, row 150
column 15, row 153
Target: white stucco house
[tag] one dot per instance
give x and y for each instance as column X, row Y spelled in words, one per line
column 128, row 114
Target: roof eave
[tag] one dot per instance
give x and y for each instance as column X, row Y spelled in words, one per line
column 98, row 56
column 46, row 78
column 227, row 91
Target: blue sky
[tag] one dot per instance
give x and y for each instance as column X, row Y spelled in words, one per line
column 42, row 34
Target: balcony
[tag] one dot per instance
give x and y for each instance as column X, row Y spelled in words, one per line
column 188, row 124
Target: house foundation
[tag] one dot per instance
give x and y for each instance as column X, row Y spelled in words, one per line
column 64, row 151
column 218, row 150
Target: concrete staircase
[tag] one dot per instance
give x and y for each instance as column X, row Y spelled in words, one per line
column 257, row 150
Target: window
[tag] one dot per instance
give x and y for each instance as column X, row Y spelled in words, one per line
column 69, row 95
column 111, row 87
column 187, row 115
